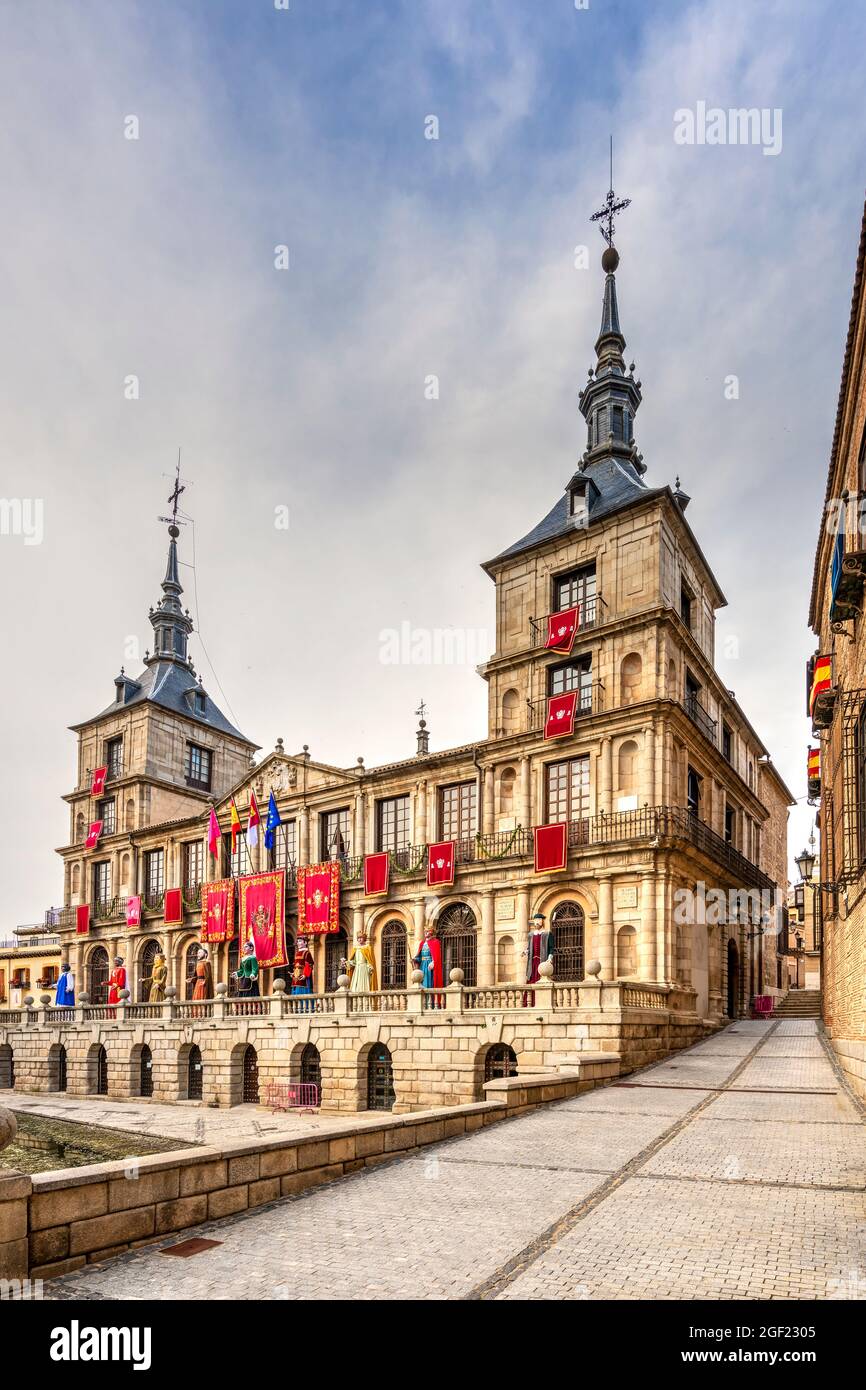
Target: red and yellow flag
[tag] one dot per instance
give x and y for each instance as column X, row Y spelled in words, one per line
column 236, row 824
column 822, row 679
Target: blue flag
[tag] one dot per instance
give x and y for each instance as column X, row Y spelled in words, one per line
column 273, row 822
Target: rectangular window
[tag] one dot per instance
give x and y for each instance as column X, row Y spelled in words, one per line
column 727, row 743
column 566, row 790
column 336, row 838
column 392, row 823
column 284, row 854
column 106, row 811
column 693, row 791
column 193, row 865
column 458, row 811
column 573, row 675
column 198, row 767
column 154, row 875
column 730, row 825
column 114, row 757
column 577, row 586
column 686, row 606
column 618, row 422
column 102, row 882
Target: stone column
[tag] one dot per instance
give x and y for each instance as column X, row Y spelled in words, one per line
column 486, row 943
column 524, row 805
column 605, row 928
column 663, row 934
column 647, row 780
column 659, row 769
column 421, row 814
column 304, row 836
column 360, row 831
column 606, row 777
column 487, row 805
column 522, row 941
column 647, row 940
column 418, row 918
column 357, row 923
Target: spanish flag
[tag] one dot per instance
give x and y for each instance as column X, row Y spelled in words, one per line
column 822, row 679
column 236, row 825
column 813, row 765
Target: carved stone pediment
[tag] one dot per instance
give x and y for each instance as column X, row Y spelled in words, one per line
column 275, row 774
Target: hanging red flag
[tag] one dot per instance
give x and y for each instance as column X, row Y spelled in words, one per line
column 93, row 835
column 551, row 848
column 377, row 874
column 82, row 919
column 133, row 911
column 97, row 785
column 560, row 715
column 218, row 910
column 262, row 916
column 253, row 821
column 214, row 834
column 319, row 898
column 561, row 628
column 172, row 908
column 440, row 863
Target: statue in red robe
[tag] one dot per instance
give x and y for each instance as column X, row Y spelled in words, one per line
column 428, row 959
column 116, row 980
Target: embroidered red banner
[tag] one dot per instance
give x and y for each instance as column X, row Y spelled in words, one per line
column 133, row 911
column 262, row 915
column 319, row 898
column 97, row 785
column 561, row 628
column 82, row 919
column 93, row 835
column 172, row 908
column 551, row 848
column 560, row 715
column 218, row 910
column 377, row 874
column 440, row 863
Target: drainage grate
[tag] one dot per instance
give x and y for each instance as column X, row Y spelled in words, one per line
column 185, row 1248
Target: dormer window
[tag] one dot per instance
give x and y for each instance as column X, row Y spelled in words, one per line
column 618, row 423
column 200, row 702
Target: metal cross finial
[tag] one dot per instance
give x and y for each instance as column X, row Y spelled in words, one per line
column 174, row 498
column 612, row 206
column 422, row 709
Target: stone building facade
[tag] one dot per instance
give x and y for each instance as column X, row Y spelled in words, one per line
column 667, row 791
column 839, row 709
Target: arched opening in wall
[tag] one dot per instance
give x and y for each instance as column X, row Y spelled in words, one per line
column 149, row 953
column 394, row 956
column 76, row 880
column 124, row 873
column 505, row 970
column 458, row 935
column 189, row 964
column 672, row 692
column 7, row 1068
column 507, row 782
column 311, row 1069
column 130, row 814
column 97, row 975
column 250, row 1090
column 336, row 949
column 57, row 1068
column 194, row 1073
column 79, row 828
column 234, row 960
column 501, row 1061
column 567, row 925
column 631, row 672
column 627, row 768
column 380, row 1079
column 97, row 1071
column 510, row 712
column 145, row 1072
column 626, row 953
column 733, row 1004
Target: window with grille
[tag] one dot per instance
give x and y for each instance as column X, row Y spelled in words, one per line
column 193, row 865
column 501, row 1061
column 114, row 757
column 97, row 976
column 457, row 933
column 311, row 1068
column 572, row 675
column 189, row 969
column 198, row 766
column 284, row 854
column 336, row 950
column 394, row 956
column 102, row 882
column 380, row 1079
column 577, row 586
column 392, row 823
column 154, row 874
column 336, row 841
column 458, row 811
column 567, row 790
column 567, row 925
column 106, row 811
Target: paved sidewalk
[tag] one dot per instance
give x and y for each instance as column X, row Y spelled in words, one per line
column 734, row 1170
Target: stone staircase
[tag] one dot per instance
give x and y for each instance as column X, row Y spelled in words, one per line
column 799, row 1003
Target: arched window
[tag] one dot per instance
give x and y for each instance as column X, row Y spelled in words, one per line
column 501, row 1060
column 76, row 880
column 510, row 712
column 190, row 963
column 394, row 956
column 336, row 949
column 99, row 1072
column 130, row 814
column 7, row 1067
column 626, row 953
column 97, row 975
column 250, row 1076
column 79, row 827
column 627, row 768
column 457, row 932
column 194, row 1074
column 506, row 791
column 567, row 924
column 380, row 1079
column 145, row 1072
column 631, row 672
column 311, row 1070
column 148, row 955
column 505, row 972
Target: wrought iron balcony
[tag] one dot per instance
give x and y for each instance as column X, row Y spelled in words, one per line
column 698, row 715
column 592, row 614
column 587, row 700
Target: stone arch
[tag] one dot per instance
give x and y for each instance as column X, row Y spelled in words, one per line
column 58, row 1068
column 626, row 953
column 243, row 1073
column 97, row 1070
column 190, row 1071
column 480, row 1065
column 79, row 827
column 380, row 1091
column 506, row 967
column 507, row 784
column 145, row 956
column 627, row 766
column 7, row 1067
column 630, row 676
column 458, row 933
column 97, row 971
column 141, row 1071
column 76, row 880
column 125, row 864
column 129, row 814
column 511, row 711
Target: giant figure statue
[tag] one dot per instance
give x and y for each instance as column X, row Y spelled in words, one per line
column 116, row 980
column 202, row 975
column 428, row 959
column 247, row 973
column 65, row 993
column 540, row 947
column 362, row 966
column 157, row 980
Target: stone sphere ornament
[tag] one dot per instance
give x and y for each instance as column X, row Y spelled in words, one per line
column 8, row 1128
column 545, row 969
column 342, row 982
column 28, row 1001
column 171, row 991
column 417, row 976
column 594, row 968
column 279, row 987
column 84, row 997
column 45, row 999
column 456, row 975
column 123, row 995
column 221, row 989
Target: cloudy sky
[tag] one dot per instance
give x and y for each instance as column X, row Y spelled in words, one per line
column 409, row 257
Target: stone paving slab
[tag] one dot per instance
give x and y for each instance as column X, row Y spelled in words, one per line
column 792, row 1108
column 789, row 1046
column 772, row 1153
column 789, row 1073
column 557, row 1138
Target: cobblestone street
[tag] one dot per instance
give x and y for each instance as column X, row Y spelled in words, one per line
column 734, row 1170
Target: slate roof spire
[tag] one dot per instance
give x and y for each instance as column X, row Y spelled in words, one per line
column 171, row 623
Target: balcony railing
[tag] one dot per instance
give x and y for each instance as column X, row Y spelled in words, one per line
column 587, row 700
column 698, row 715
column 592, row 614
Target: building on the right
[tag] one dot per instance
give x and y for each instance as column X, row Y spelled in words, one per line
column 836, row 693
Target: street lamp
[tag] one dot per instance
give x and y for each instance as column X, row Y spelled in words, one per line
column 805, row 862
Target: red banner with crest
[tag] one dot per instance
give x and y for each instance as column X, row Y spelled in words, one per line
column 218, row 910
column 561, row 628
column 440, row 863
column 319, row 898
column 97, row 785
column 262, row 899
column 560, row 715
column 133, row 911
column 93, row 834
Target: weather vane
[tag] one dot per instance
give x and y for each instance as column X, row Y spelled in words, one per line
column 174, row 496
column 422, row 709
column 612, row 207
